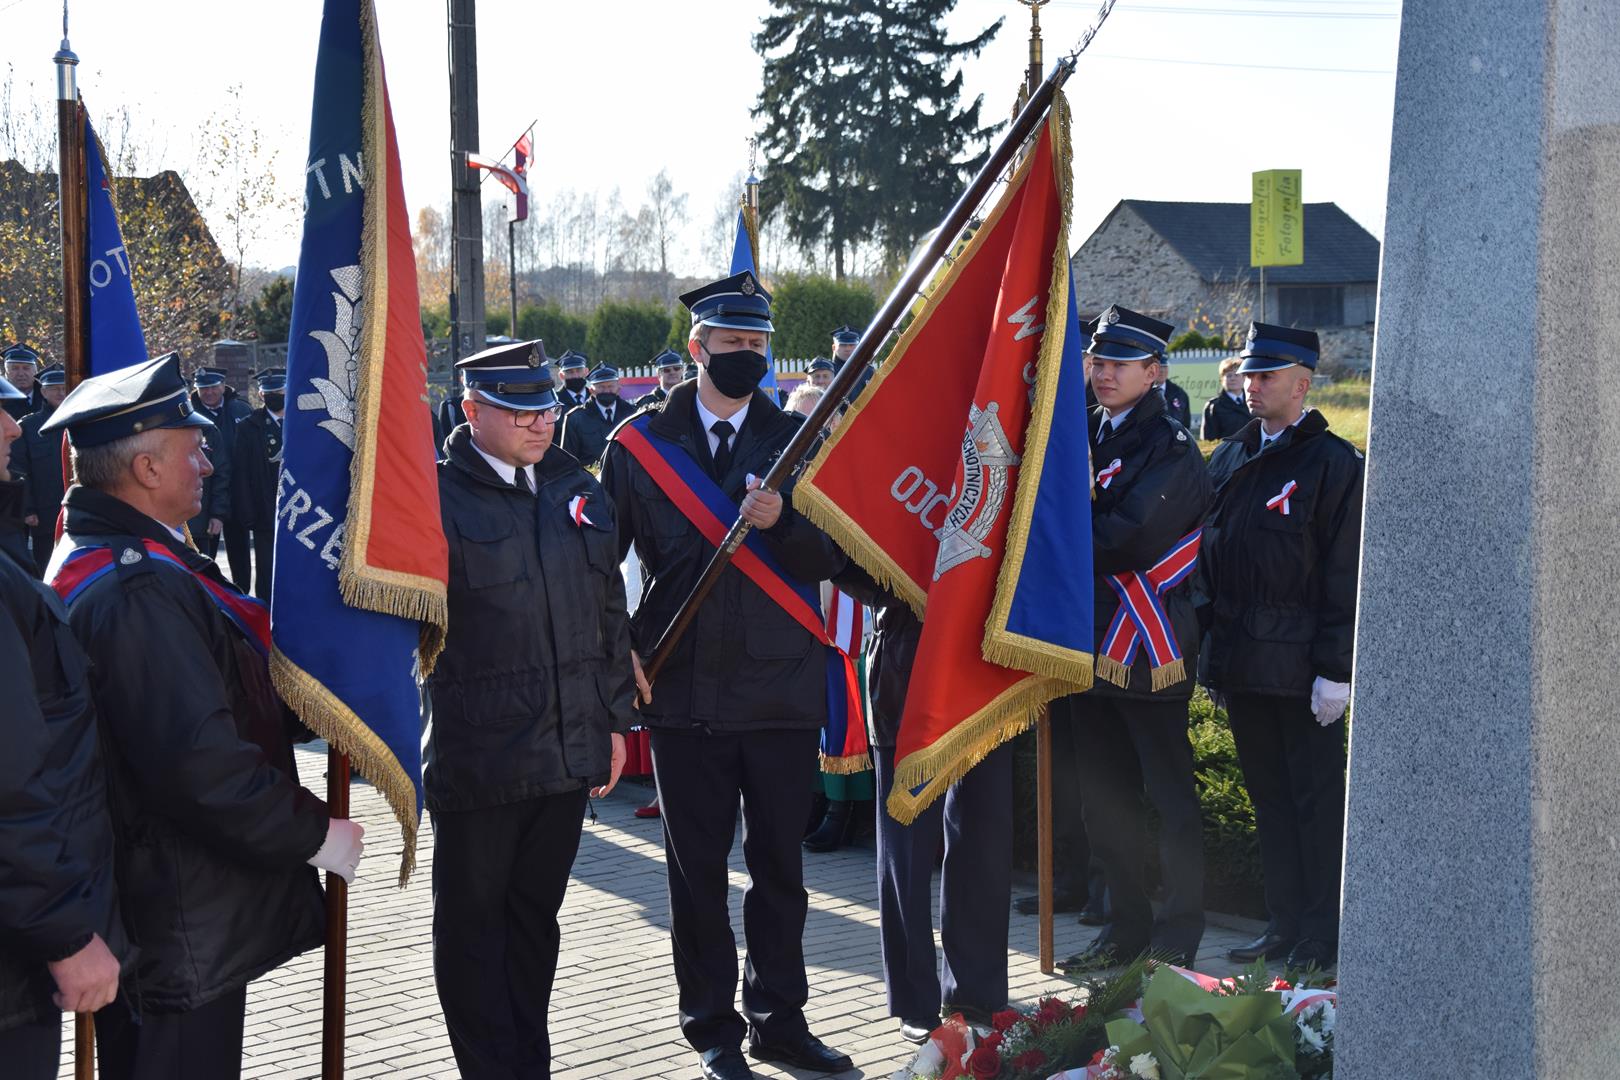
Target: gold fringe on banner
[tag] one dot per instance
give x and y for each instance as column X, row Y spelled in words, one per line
column 846, row 766
column 1001, row 645
column 335, row 722
column 1113, row 671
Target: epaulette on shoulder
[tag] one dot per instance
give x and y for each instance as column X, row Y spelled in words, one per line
column 131, row 560
column 1178, row 434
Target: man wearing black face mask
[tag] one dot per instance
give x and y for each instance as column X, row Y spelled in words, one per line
column 585, row 428
column 255, row 471
column 572, row 366
column 736, row 709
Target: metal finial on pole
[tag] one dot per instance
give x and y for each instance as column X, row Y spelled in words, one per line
column 1036, row 66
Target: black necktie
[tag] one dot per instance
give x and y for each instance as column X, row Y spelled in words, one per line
column 520, row 480
column 722, row 451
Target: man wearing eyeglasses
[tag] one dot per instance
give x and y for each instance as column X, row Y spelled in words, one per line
column 530, row 702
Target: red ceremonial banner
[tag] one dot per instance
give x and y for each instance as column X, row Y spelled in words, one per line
column 918, row 483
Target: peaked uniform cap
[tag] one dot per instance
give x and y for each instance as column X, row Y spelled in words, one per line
column 129, row 401
column 603, row 373
column 846, row 335
column 20, row 354
column 820, row 363
column 571, row 360
column 55, row 375
column 208, row 376
column 9, row 392
column 738, row 302
column 1272, row 348
column 514, row 376
column 271, row 379
column 669, row 360
column 1123, row 334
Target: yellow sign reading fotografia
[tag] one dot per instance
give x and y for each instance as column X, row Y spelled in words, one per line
column 1277, row 219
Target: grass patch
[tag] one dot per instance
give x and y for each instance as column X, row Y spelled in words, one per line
column 1344, row 403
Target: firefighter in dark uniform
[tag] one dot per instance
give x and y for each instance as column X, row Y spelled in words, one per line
column 669, row 366
column 38, row 457
column 21, row 370
column 531, row 699
column 447, row 417
column 58, row 904
column 736, row 712
column 217, row 400
column 1277, row 585
column 255, row 474
column 1152, row 491
column 820, row 372
column 1226, row 414
column 585, row 428
column 1176, row 402
column 216, row 844
column 572, row 366
column 844, row 340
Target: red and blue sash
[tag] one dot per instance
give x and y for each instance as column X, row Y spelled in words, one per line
column 699, row 499
column 89, row 564
column 1140, row 618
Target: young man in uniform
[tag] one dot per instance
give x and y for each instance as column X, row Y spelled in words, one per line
column 255, row 475
column 217, row 843
column 1277, row 587
column 736, row 712
column 1152, row 492
column 571, row 366
column 669, row 365
column 530, row 702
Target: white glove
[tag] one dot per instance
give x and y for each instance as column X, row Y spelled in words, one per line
column 1329, row 700
column 341, row 852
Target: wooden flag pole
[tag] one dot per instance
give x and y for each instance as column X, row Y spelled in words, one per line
column 337, row 930
column 1043, row 834
column 73, row 199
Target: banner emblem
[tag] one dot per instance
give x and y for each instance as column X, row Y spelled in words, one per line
column 986, row 456
column 335, row 394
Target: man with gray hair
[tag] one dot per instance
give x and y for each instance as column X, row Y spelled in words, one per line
column 217, row 843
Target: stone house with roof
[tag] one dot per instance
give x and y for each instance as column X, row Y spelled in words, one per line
column 1188, row 264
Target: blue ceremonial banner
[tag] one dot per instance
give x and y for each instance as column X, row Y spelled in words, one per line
column 115, row 339
column 1042, row 619
column 742, row 258
column 358, row 602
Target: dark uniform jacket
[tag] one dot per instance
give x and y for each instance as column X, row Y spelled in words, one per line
column 446, row 418
column 570, row 399
column 1160, row 494
column 20, row 409
column 216, row 496
column 744, row 664
column 56, row 840
column 585, row 430
column 657, row 397
column 536, row 670
column 213, row 831
column 1278, row 591
column 255, row 470
column 1177, row 404
column 39, row 458
column 221, row 453
column 1223, row 417
column 13, row 533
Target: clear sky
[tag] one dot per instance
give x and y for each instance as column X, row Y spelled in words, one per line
column 1176, row 99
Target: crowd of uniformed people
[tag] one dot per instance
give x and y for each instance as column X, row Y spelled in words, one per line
column 157, row 851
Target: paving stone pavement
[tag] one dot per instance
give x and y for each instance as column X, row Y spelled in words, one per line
column 613, row 1009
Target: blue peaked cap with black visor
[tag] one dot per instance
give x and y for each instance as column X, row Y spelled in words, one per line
column 1123, row 334
column 139, row 398
column 1272, row 348
column 512, row 376
column 738, row 302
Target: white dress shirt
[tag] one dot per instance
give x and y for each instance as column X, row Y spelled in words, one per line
column 708, row 420
column 503, row 470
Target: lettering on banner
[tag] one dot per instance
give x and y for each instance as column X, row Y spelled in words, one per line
column 294, row 503
column 101, row 271
column 930, row 500
column 351, row 174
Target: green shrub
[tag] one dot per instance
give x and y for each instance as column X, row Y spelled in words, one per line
column 626, row 333
column 1192, row 339
column 559, row 330
column 806, row 309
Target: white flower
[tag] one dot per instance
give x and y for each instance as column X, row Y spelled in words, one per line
column 1330, row 1016
column 1311, row 1039
column 1145, row 1066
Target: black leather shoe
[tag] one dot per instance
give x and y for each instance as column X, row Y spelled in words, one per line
column 1062, row 902
column 1268, row 946
column 1097, row 956
column 1314, row 953
column 804, row 1052
column 917, row 1031
column 1093, row 915
column 725, row 1063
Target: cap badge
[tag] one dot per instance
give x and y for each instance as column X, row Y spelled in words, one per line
column 130, row 557
column 534, row 356
column 747, row 286
column 1112, row 317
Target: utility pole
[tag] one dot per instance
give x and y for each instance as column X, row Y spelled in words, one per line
column 466, row 211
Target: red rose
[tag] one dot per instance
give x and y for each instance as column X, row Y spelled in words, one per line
column 1281, row 984
column 992, row 1040
column 1096, row 1059
column 984, row 1063
column 1079, row 1012
column 1051, row 1011
column 1004, row 1020
column 1028, row 1061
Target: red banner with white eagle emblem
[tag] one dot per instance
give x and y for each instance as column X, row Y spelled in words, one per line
column 919, row 482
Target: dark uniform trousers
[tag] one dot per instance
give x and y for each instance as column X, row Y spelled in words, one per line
column 1128, row 745
column 976, row 813
column 700, row 779
column 204, row 1043
column 31, row 1051
column 238, row 554
column 499, row 875
column 264, row 559
column 1294, row 770
column 1074, row 872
